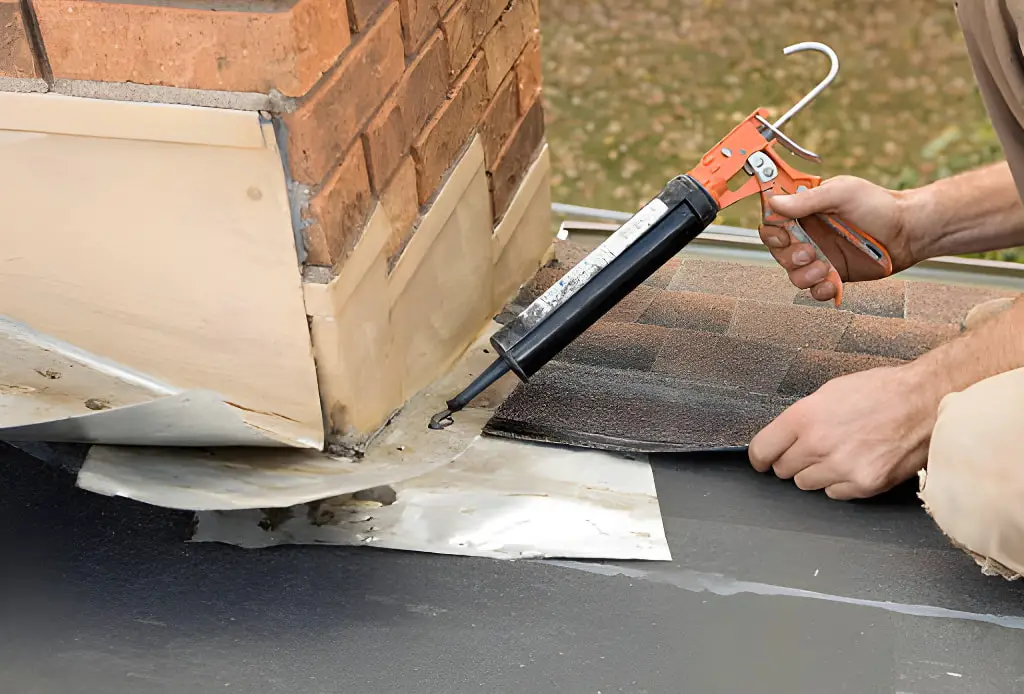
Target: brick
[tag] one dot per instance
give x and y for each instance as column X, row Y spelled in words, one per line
column 288, row 50
column 465, row 27
column 506, row 41
column 338, row 211
column 16, row 58
column 499, row 120
column 325, row 125
column 402, row 204
column 446, row 134
column 529, row 74
column 361, row 13
column 515, row 158
column 419, row 19
column 420, row 93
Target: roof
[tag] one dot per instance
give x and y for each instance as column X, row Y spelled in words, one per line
column 706, row 352
column 870, row 594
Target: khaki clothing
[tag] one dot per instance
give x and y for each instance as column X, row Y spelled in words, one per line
column 992, row 31
column 974, row 482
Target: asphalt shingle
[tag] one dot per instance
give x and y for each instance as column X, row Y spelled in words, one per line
column 705, row 359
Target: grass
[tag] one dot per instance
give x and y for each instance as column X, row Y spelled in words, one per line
column 638, row 90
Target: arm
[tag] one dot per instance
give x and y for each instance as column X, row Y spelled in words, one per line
column 863, row 433
column 976, row 211
column 994, row 347
column 973, row 212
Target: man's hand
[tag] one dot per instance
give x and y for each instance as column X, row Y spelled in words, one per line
column 857, row 436
column 878, row 211
column 972, row 212
column 862, row 434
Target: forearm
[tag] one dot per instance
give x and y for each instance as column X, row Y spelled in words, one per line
column 973, row 212
column 994, row 347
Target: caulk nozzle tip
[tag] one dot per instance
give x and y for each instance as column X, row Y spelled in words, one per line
column 441, row 420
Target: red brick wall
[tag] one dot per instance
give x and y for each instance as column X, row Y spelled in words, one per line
column 377, row 97
column 420, row 79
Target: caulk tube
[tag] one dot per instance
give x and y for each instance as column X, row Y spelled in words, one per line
column 675, row 193
column 546, row 327
column 632, row 254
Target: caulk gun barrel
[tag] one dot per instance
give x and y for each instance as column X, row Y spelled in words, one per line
column 620, row 277
column 527, row 348
column 492, row 373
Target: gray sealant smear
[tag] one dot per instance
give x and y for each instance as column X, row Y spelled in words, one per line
column 701, row 582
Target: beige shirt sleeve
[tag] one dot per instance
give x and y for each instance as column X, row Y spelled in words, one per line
column 991, row 30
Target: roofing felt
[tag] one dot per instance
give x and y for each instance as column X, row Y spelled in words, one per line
column 705, row 353
column 103, row 597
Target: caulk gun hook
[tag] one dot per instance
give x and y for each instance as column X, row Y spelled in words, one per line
column 809, row 46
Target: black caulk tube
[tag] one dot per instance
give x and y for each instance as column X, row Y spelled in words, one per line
column 597, row 283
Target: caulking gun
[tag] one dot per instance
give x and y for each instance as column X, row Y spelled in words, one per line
column 686, row 206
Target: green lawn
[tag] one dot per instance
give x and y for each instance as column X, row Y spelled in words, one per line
column 638, row 90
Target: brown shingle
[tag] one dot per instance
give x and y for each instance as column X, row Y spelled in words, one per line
column 760, row 282
column 574, row 405
column 813, row 368
column 724, row 361
column 729, row 360
column 663, row 275
column 941, row 303
column 879, row 298
column 619, row 346
column 894, row 338
column 690, row 310
column 794, row 326
column 541, row 280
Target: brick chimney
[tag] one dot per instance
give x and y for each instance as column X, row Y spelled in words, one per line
column 412, row 140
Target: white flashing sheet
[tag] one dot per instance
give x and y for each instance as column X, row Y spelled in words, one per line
column 54, row 392
column 482, row 496
column 499, row 499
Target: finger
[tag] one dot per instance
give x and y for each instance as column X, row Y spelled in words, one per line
column 843, row 491
column 792, row 463
column 769, row 444
column 817, row 476
column 793, row 257
column 811, row 201
column 824, row 291
column 810, row 275
column 773, row 236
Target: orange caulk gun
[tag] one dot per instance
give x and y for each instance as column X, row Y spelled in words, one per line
column 686, row 206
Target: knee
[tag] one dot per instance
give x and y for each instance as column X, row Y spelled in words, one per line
column 973, row 486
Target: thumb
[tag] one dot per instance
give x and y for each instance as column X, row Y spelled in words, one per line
column 808, row 202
